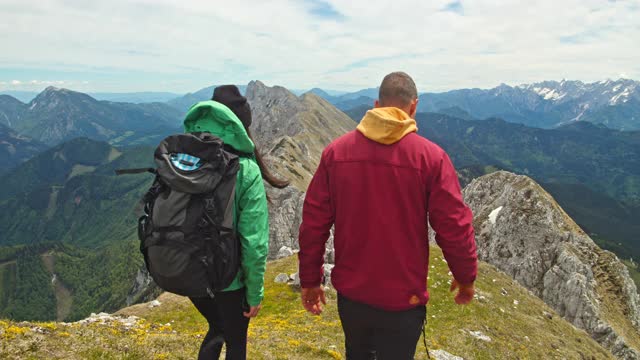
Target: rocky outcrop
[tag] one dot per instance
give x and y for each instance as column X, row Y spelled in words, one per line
column 143, row 288
column 285, row 216
column 521, row 230
column 293, row 131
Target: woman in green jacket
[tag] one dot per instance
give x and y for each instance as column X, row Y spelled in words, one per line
column 228, row 116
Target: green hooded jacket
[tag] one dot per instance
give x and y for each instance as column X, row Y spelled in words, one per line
column 251, row 217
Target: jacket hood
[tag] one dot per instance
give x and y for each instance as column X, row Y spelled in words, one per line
column 386, row 125
column 215, row 118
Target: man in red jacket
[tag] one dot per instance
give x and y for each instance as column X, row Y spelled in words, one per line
column 380, row 185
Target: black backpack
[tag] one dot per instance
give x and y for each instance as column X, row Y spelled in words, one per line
column 186, row 232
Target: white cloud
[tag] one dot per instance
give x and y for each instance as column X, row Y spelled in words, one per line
column 140, row 44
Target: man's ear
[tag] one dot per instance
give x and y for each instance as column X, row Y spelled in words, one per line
column 413, row 109
column 376, row 104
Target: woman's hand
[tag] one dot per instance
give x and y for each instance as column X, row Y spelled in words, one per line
column 253, row 311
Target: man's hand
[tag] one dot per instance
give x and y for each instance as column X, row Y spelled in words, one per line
column 313, row 299
column 253, row 311
column 465, row 293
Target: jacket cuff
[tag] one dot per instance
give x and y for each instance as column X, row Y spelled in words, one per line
column 254, row 300
column 466, row 276
column 310, row 284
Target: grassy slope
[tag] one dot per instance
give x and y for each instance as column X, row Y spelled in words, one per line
column 284, row 331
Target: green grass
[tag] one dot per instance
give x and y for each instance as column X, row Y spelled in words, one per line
column 283, row 330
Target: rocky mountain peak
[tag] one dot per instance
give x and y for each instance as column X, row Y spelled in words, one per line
column 53, row 97
column 53, row 89
column 323, row 94
column 294, row 129
column 522, row 230
column 258, row 90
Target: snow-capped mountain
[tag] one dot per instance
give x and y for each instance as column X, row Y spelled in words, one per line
column 615, row 104
column 599, row 93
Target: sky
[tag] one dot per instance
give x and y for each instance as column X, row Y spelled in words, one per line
column 182, row 46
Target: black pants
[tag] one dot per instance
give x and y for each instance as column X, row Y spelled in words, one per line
column 372, row 333
column 226, row 325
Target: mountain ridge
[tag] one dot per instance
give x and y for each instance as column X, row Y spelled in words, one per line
column 522, row 230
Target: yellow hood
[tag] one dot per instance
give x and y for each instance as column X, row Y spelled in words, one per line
column 386, row 125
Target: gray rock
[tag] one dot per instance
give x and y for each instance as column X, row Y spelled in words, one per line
column 281, row 279
column 295, row 278
column 330, row 256
column 285, row 216
column 154, row 303
column 285, row 251
column 328, row 268
column 143, row 287
column 480, row 336
column 443, row 355
column 521, row 230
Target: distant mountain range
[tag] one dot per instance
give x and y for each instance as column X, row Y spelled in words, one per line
column 130, row 97
column 548, row 104
column 350, row 100
column 615, row 104
column 135, row 97
column 183, row 103
column 57, row 115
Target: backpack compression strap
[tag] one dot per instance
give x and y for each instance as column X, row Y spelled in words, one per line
column 135, row 171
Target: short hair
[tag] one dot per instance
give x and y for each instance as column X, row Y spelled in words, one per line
column 397, row 88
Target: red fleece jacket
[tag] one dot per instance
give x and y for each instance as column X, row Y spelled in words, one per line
column 380, row 197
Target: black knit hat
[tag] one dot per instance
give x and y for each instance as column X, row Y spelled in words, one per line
column 230, row 96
